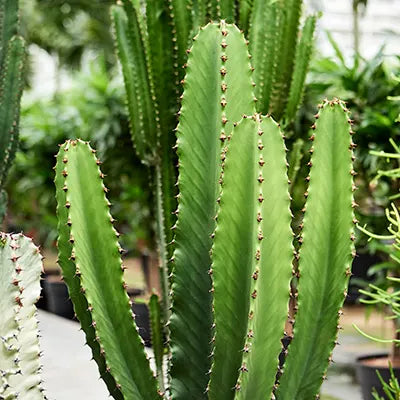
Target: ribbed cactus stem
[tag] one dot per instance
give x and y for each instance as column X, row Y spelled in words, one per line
column 96, row 255
column 20, row 269
column 218, row 90
column 326, row 253
column 12, row 56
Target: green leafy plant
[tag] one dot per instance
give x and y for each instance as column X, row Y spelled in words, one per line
column 367, row 86
column 152, row 43
column 93, row 109
column 386, row 294
column 12, row 54
column 20, row 268
column 233, row 260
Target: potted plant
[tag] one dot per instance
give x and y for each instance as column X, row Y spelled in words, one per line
column 385, row 295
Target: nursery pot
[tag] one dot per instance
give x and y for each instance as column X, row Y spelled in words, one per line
column 142, row 319
column 56, row 297
column 366, row 368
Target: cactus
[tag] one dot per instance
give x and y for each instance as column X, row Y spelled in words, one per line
column 152, row 46
column 20, row 268
column 12, row 54
column 233, row 260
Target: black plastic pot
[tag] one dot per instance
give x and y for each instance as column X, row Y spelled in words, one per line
column 360, row 267
column 57, row 299
column 367, row 377
column 142, row 319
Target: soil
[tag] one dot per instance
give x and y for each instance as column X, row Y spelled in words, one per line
column 381, row 362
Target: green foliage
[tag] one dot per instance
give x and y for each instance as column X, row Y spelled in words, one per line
column 68, row 29
column 233, row 256
column 366, row 86
column 93, row 108
column 20, row 268
column 12, row 55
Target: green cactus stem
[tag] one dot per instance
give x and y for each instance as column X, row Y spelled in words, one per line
column 151, row 129
column 153, row 73
column 20, row 269
column 218, row 90
column 252, row 262
column 302, row 60
column 157, row 337
column 325, row 255
column 12, row 56
column 72, row 279
column 96, row 255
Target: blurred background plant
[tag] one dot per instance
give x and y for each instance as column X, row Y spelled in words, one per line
column 69, row 29
column 93, row 109
column 368, row 87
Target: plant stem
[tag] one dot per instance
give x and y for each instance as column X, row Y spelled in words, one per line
column 162, row 246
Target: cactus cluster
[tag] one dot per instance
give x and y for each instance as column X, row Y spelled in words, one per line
column 152, row 42
column 20, row 269
column 12, row 54
column 234, row 267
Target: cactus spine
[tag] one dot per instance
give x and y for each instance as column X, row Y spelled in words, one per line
column 12, row 54
column 20, row 268
column 233, row 254
column 150, row 72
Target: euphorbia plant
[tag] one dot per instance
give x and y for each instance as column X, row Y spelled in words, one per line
column 233, row 259
column 152, row 40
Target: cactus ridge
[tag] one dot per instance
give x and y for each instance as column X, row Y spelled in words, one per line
column 150, row 129
column 96, row 253
column 10, row 97
column 8, row 322
column 20, row 268
column 72, row 279
column 264, row 39
column 324, row 269
column 220, row 90
column 9, row 24
column 272, row 265
column 157, row 337
column 214, row 9
column 181, row 16
column 289, row 20
column 199, row 15
column 302, row 60
column 12, row 56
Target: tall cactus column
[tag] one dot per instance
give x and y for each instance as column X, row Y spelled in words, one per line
column 218, row 90
column 12, row 54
